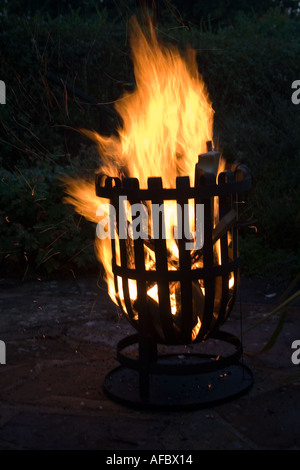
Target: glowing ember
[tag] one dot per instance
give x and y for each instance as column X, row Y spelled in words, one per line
column 167, row 122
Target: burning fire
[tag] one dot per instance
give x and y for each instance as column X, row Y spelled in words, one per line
column 167, row 121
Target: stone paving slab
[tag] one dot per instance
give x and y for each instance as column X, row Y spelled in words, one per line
column 61, row 337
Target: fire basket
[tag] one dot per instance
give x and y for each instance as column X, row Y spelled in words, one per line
column 178, row 295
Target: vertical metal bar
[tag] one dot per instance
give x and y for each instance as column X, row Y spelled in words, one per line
column 123, row 259
column 161, row 262
column 225, row 205
column 183, row 185
column 208, row 179
column 147, row 345
column 240, row 173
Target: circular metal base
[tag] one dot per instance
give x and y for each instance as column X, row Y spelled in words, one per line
column 175, row 392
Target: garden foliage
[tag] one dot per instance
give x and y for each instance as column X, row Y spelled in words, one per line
column 248, row 64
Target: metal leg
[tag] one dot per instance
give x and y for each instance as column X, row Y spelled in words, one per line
column 147, row 355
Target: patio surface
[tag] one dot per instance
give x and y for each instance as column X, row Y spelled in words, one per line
column 61, row 338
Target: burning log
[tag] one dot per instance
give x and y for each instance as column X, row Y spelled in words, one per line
column 224, row 225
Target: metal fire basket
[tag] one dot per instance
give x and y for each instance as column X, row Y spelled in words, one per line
column 163, row 364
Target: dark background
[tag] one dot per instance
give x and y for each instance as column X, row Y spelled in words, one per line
column 248, row 54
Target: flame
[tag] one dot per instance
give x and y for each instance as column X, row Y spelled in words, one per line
column 231, row 281
column 167, row 121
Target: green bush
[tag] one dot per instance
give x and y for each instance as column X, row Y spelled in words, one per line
column 39, row 234
column 40, row 142
column 248, row 68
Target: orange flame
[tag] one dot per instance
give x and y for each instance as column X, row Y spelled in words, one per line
column 167, row 121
